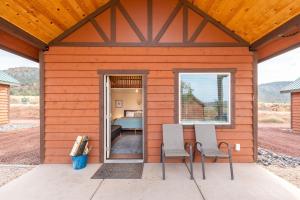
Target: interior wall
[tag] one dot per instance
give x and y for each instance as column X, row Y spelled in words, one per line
column 131, row 99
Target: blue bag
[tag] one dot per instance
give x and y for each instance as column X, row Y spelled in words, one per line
column 79, row 162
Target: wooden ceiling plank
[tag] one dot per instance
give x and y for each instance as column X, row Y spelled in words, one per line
column 249, row 19
column 82, row 22
column 279, row 30
column 217, row 24
column 73, row 12
column 266, row 12
column 237, row 22
column 43, row 22
column 62, row 13
column 230, row 11
column 14, row 14
column 270, row 22
column 35, row 15
column 41, row 10
column 83, row 6
column 214, row 7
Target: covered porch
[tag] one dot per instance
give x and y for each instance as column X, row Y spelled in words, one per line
column 60, row 182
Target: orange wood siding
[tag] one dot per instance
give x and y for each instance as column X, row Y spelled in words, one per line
column 4, row 104
column 15, row 45
column 277, row 47
column 295, row 112
column 72, row 93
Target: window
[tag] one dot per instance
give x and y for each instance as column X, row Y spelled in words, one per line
column 204, row 98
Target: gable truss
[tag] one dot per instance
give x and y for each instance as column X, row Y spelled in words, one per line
column 149, row 39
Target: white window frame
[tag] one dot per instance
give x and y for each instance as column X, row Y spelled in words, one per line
column 205, row 122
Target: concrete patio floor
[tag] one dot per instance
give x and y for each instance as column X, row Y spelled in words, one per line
column 61, row 182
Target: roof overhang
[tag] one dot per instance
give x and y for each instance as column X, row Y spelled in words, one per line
column 279, row 41
column 289, row 91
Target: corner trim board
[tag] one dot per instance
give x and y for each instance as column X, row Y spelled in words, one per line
column 42, row 107
column 255, row 108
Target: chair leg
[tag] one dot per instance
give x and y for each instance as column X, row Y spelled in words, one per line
column 203, row 167
column 191, row 163
column 231, row 167
column 163, row 167
column 216, row 158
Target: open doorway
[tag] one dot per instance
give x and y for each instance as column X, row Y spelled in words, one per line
column 124, row 118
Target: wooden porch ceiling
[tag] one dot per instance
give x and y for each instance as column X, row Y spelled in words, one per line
column 250, row 19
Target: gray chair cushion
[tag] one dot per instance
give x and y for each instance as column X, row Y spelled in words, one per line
column 173, row 140
column 206, row 135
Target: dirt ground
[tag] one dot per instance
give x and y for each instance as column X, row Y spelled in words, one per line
column 24, row 111
column 20, row 147
column 19, row 142
column 279, row 139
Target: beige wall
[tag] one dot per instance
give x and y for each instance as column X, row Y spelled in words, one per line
column 132, row 100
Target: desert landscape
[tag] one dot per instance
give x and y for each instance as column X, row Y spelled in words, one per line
column 279, row 149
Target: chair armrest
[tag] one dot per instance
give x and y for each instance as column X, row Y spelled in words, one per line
column 187, row 145
column 227, row 144
column 228, row 147
column 200, row 146
column 190, row 147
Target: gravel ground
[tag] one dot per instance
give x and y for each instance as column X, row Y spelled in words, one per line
column 19, row 124
column 11, row 172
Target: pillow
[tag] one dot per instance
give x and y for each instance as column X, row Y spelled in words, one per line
column 129, row 114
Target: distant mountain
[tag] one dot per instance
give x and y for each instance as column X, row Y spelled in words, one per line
column 29, row 79
column 270, row 92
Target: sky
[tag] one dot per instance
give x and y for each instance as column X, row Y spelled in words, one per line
column 205, row 86
column 9, row 60
column 285, row 67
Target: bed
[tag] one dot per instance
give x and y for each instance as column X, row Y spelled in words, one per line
column 132, row 120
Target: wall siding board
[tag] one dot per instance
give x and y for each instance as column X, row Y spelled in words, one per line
column 295, row 114
column 72, row 93
column 4, row 104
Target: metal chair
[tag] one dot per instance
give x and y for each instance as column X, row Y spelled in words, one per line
column 206, row 144
column 173, row 146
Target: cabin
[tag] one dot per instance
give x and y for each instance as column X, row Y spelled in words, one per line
column 294, row 90
column 117, row 70
column 6, row 82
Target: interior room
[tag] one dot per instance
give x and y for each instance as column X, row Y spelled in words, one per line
column 126, row 117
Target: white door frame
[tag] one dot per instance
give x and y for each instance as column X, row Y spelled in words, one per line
column 105, row 159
